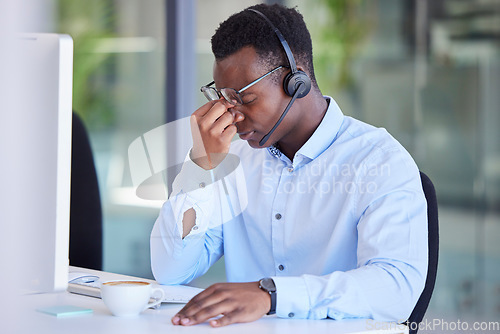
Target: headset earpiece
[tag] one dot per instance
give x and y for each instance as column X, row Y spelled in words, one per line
column 295, row 78
column 296, row 83
column 293, row 81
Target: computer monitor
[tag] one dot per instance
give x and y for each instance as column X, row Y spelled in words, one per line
column 43, row 82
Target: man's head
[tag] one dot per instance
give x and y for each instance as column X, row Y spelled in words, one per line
column 246, row 50
column 247, row 28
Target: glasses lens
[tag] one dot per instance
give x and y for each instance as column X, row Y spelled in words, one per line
column 210, row 93
column 231, row 96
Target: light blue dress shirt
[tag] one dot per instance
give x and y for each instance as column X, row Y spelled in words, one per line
column 342, row 228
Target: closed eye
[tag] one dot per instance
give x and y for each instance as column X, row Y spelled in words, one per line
column 248, row 98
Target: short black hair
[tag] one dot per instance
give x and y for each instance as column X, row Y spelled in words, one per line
column 247, row 28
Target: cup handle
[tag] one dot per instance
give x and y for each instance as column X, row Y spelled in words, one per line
column 157, row 300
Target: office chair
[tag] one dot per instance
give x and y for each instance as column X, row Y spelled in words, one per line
column 433, row 241
column 85, row 241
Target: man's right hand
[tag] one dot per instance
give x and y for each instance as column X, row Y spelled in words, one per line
column 213, row 128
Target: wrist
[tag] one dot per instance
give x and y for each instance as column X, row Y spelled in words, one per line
column 201, row 159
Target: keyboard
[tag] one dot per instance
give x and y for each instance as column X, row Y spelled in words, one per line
column 86, row 289
column 92, row 287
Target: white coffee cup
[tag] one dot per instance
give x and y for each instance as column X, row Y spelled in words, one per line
column 129, row 298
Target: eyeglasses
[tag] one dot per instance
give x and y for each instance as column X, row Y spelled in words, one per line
column 230, row 94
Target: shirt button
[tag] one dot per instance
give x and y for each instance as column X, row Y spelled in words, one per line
column 202, row 185
column 277, row 216
column 195, row 227
column 290, row 169
column 291, row 315
column 281, row 267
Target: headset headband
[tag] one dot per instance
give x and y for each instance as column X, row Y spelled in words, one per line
column 286, row 47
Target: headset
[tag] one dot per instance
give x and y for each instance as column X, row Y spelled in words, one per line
column 296, row 84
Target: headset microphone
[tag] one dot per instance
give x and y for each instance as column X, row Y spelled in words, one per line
column 294, row 97
column 296, row 83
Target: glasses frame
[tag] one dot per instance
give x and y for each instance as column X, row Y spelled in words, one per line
column 223, row 91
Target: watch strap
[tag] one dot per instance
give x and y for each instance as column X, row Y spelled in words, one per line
column 272, row 293
column 272, row 310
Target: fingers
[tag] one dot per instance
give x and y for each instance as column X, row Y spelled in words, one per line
column 207, row 107
column 207, row 304
column 201, row 111
column 208, row 312
column 215, row 121
column 227, row 319
column 212, row 129
column 206, row 297
column 229, row 132
column 220, row 125
column 236, row 302
column 216, row 112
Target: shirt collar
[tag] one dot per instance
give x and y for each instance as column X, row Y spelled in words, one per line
column 325, row 133
column 322, row 137
column 275, row 151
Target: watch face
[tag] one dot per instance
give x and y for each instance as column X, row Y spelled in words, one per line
column 268, row 284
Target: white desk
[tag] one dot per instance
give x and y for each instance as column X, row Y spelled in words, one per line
column 158, row 321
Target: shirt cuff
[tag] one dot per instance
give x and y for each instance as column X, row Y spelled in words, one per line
column 194, row 181
column 194, row 186
column 198, row 181
column 197, row 185
column 292, row 297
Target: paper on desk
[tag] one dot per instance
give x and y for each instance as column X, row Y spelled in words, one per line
column 179, row 293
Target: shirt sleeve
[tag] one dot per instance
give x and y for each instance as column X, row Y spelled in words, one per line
column 178, row 261
column 392, row 257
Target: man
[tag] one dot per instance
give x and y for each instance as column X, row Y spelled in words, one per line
column 330, row 219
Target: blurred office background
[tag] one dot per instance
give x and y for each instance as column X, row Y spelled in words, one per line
column 426, row 70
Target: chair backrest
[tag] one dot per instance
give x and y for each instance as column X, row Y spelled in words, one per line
column 85, row 241
column 433, row 241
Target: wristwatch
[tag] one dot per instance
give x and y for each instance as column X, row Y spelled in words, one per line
column 267, row 284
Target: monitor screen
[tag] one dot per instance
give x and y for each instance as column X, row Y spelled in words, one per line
column 43, row 83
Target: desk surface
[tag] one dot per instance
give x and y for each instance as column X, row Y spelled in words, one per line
column 158, row 321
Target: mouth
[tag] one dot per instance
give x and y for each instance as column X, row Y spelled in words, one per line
column 246, row 135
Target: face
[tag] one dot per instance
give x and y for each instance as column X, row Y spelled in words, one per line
column 263, row 102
